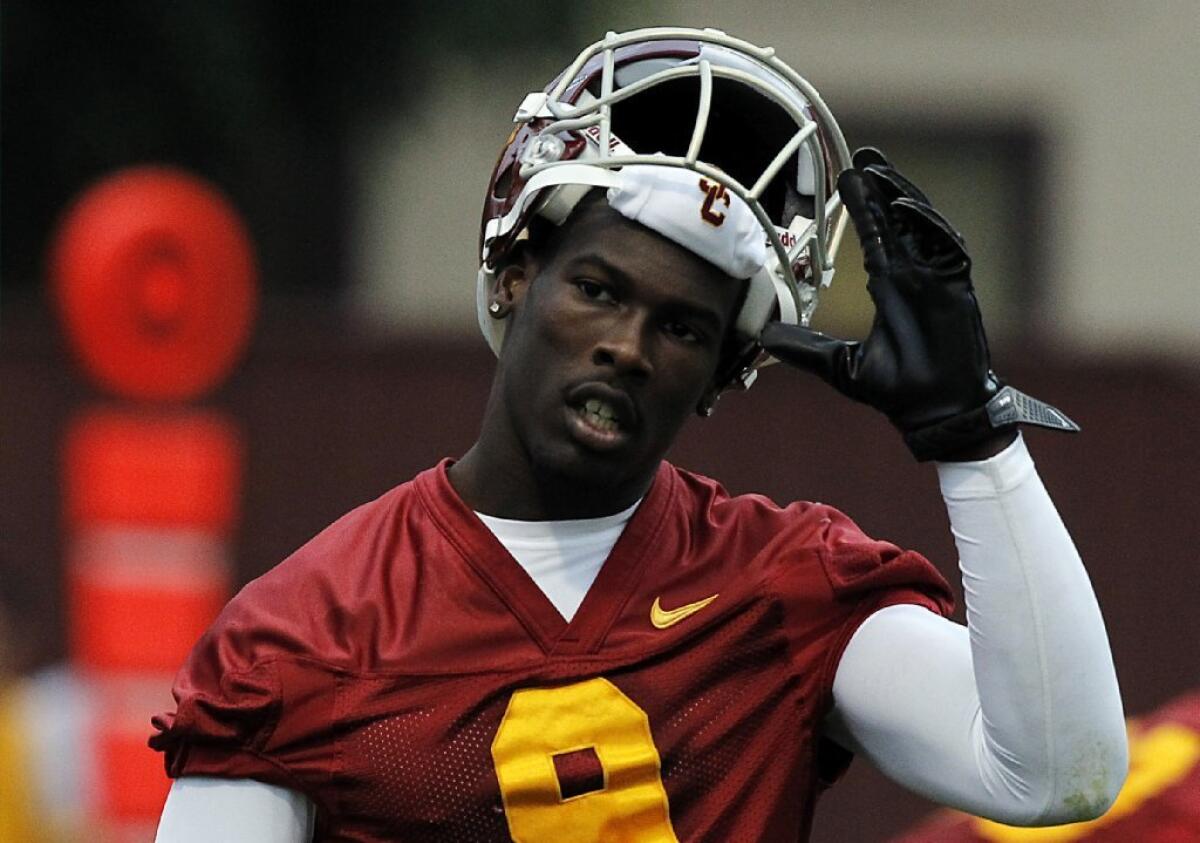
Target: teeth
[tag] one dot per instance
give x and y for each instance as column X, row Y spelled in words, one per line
column 600, row 408
column 600, row 415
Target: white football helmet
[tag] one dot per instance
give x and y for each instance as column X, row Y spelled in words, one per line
column 696, row 99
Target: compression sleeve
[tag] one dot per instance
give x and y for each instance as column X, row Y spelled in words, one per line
column 201, row 809
column 1016, row 717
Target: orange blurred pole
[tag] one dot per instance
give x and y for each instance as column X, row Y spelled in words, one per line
column 155, row 285
column 151, row 499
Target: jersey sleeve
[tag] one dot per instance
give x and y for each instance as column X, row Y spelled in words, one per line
column 249, row 704
column 869, row 574
column 834, row 578
column 257, row 697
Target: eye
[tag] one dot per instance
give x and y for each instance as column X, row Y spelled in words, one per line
column 682, row 331
column 594, row 290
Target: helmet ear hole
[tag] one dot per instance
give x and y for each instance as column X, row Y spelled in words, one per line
column 504, row 184
column 797, row 204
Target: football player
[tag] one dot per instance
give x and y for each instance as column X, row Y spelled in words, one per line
column 561, row 636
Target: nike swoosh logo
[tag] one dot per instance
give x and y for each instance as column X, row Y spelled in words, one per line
column 663, row 618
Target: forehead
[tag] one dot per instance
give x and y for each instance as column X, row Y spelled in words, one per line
column 643, row 257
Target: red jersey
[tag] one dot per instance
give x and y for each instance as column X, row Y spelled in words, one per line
column 406, row 674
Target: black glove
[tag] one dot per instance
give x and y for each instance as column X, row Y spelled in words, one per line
column 925, row 363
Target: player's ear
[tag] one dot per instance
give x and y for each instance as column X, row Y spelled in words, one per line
column 717, row 385
column 737, row 354
column 704, row 407
column 511, row 282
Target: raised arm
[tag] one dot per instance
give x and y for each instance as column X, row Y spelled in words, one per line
column 1018, row 716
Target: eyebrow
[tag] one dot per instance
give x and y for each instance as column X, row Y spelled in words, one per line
column 691, row 309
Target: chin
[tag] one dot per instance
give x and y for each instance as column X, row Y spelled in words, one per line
column 583, row 468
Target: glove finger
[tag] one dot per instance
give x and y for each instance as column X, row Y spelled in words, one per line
column 934, row 217
column 936, row 242
column 892, row 184
column 810, row 350
column 868, row 156
column 868, row 212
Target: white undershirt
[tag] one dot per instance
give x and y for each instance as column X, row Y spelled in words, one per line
column 1018, row 718
column 562, row 557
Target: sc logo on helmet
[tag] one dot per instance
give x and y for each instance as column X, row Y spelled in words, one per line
column 713, row 193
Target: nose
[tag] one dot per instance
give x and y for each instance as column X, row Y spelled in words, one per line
column 623, row 346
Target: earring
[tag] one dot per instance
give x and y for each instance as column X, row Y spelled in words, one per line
column 494, row 308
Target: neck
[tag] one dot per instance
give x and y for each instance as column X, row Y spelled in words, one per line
column 498, row 476
column 516, row 489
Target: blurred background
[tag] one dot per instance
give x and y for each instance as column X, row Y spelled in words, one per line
column 355, row 142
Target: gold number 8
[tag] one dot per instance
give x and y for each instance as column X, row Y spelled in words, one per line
column 587, row 717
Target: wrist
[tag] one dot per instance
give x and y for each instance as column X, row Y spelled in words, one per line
column 984, row 449
column 986, row 478
column 984, row 431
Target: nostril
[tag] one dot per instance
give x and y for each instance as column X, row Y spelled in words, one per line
column 625, row 355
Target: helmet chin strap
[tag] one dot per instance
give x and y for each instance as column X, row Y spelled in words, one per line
column 739, row 373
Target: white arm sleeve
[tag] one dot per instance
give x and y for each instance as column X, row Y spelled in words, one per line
column 200, row 809
column 1018, row 716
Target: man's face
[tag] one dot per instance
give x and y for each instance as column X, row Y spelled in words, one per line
column 611, row 345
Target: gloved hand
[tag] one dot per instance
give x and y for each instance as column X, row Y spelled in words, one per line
column 925, row 363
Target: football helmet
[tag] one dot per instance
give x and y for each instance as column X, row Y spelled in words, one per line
column 696, row 99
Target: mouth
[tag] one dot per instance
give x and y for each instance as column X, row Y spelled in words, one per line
column 600, row 418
